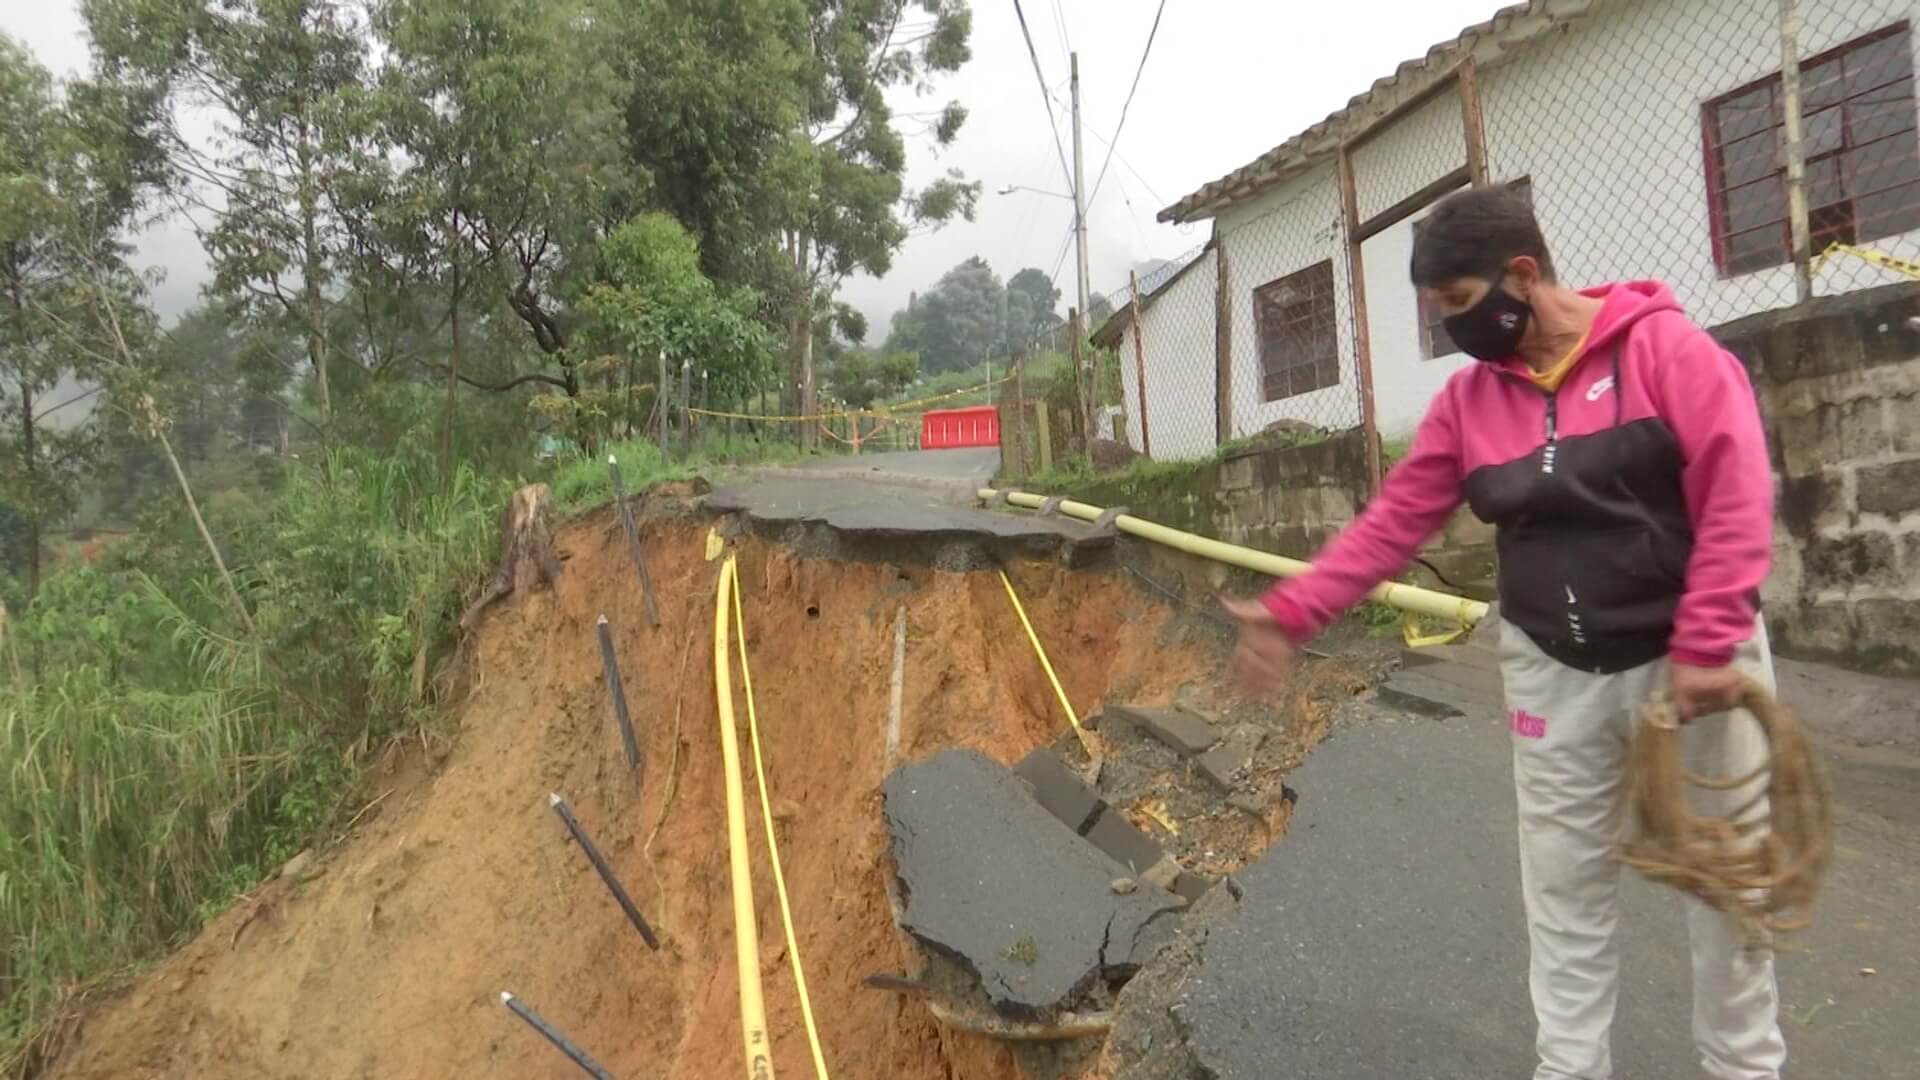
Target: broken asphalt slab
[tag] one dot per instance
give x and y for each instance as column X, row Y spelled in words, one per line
column 993, row 879
column 1184, row 732
column 868, row 517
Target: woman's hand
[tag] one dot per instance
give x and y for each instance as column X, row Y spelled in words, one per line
column 1703, row 691
column 1265, row 654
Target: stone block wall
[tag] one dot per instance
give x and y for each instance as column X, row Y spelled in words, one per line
column 1290, row 499
column 1839, row 387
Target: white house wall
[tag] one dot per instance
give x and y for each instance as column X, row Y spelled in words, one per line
column 1404, row 381
column 1606, row 120
column 1604, row 117
column 1177, row 342
column 1288, row 230
column 1416, row 150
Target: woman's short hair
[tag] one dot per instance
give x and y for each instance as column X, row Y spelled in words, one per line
column 1474, row 234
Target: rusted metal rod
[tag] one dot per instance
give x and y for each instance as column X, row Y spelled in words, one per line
column 606, row 872
column 633, row 540
column 561, row 1042
column 617, row 690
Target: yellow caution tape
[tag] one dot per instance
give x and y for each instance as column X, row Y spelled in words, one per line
column 1416, row 638
column 766, row 818
column 1904, row 267
column 715, row 546
column 888, row 411
column 746, row 934
column 1039, row 650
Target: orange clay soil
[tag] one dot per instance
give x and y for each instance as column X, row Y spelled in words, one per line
column 387, row 958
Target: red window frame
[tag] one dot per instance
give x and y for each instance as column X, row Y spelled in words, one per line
column 1861, row 134
column 1296, row 325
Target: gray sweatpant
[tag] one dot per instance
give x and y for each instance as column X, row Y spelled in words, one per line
column 1570, row 735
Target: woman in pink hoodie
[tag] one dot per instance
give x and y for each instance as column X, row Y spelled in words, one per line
column 1618, row 451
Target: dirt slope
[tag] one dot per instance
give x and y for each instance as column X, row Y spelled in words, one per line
column 388, row 961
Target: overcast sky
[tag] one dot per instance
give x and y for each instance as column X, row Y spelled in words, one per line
column 1226, row 81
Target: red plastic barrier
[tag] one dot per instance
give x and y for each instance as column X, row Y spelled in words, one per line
column 949, row 429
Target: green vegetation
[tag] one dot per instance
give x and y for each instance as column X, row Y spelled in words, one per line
column 449, row 240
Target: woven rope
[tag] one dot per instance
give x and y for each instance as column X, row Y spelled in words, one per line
column 1763, row 869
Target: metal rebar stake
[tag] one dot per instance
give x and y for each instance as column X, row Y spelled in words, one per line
column 633, row 540
column 606, row 872
column 617, row 690
column 574, row 1053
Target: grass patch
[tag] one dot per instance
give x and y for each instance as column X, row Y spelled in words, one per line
column 582, row 482
column 161, row 758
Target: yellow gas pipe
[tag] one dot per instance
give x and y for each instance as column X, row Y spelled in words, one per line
column 1409, row 598
column 746, row 937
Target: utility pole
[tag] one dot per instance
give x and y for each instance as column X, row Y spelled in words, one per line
column 1080, row 327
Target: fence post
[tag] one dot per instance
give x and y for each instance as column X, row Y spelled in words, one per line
column 1796, row 151
column 1362, row 345
column 1472, row 123
column 663, row 405
column 1046, row 436
column 1222, row 343
column 1139, row 360
column 1023, row 461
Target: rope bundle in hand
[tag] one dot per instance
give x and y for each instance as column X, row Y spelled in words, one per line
column 1762, row 868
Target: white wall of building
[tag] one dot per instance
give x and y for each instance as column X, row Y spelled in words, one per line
column 1286, row 231
column 1404, row 380
column 1177, row 343
column 1605, row 119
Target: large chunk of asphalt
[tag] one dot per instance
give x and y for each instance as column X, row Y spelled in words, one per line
column 993, row 879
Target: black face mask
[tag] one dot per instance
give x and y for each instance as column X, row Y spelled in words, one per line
column 1492, row 328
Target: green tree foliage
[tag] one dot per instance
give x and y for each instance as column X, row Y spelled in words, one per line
column 968, row 317
column 1033, row 302
column 861, row 377
column 71, row 166
column 651, row 308
column 711, row 105
column 502, row 112
column 962, row 320
column 286, row 81
column 845, row 206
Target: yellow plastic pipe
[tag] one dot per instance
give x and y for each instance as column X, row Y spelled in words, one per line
column 773, row 841
column 1086, row 742
column 746, row 936
column 1410, row 598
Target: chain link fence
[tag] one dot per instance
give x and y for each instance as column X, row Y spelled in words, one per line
column 1750, row 154
column 1692, row 151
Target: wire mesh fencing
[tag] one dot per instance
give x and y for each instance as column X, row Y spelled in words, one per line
column 1750, row 154
column 1247, row 337
column 1706, row 144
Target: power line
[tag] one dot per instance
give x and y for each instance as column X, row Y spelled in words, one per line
column 1060, row 259
column 1128, row 165
column 1066, row 39
column 1137, row 71
column 1045, row 99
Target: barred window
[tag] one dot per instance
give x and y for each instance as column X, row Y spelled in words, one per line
column 1299, row 341
column 1857, row 132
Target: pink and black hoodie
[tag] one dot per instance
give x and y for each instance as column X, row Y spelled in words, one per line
column 1633, row 506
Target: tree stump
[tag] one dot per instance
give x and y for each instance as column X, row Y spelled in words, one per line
column 526, row 550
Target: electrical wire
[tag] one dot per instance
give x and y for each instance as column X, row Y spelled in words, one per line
column 1115, row 153
column 1046, row 99
column 1137, row 71
column 1066, row 39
